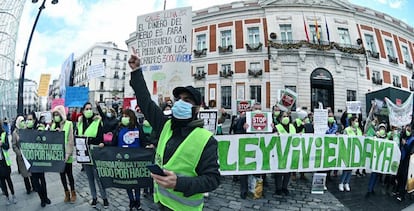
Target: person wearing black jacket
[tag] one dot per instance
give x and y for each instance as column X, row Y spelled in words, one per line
column 109, row 120
column 182, row 125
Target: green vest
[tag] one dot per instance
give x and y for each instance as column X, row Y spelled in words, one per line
column 183, row 162
column 281, row 129
column 6, row 155
column 66, row 128
column 350, row 131
column 92, row 129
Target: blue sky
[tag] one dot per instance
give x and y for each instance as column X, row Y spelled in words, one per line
column 72, row 26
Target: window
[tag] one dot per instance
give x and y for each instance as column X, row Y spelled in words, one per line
column 313, row 33
column 104, row 62
column 225, row 38
column 226, row 97
column 105, row 52
column 200, row 70
column 286, row 32
column 201, row 42
column 100, row 97
column 253, row 34
column 255, row 66
column 117, row 65
column 411, row 85
column 124, row 66
column 350, row 95
column 226, row 68
column 370, row 44
column 201, row 90
column 395, row 80
column 390, row 48
column 123, row 75
column 117, row 56
column 405, row 53
column 344, row 36
column 101, row 85
column 376, row 75
column 256, row 93
column 125, row 57
column 116, row 75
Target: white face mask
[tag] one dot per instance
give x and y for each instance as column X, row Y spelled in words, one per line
column 167, row 112
column 109, row 114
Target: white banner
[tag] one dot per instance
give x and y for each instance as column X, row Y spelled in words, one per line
column 320, row 121
column 95, row 71
column 267, row 153
column 353, row 107
column 400, row 115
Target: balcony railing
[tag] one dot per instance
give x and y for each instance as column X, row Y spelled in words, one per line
column 392, row 59
column 324, row 46
column 200, row 75
column 253, row 47
column 377, row 81
column 226, row 73
column 396, row 84
column 412, row 88
column 225, row 49
column 408, row 64
column 200, row 53
column 255, row 72
column 373, row 54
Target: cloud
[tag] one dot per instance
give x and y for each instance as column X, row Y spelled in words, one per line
column 396, row 4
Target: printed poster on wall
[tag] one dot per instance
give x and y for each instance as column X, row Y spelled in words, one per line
column 164, row 47
column 210, row 119
column 259, row 122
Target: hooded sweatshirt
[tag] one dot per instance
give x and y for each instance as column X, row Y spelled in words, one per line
column 70, row 144
column 16, row 138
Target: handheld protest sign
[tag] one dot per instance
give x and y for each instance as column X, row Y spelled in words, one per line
column 82, row 150
column 287, row 99
column 210, row 119
column 244, row 105
column 259, row 122
column 44, row 150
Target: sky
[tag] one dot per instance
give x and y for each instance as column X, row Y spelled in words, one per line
column 72, row 26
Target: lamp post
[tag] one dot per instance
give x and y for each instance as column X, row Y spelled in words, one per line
column 24, row 62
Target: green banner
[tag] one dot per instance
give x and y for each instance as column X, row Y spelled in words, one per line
column 267, row 153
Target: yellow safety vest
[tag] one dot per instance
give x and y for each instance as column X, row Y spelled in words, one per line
column 66, row 129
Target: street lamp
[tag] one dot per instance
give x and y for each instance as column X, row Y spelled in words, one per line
column 24, row 62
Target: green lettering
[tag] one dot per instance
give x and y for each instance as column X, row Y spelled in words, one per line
column 318, row 152
column 329, row 152
column 367, row 154
column 379, row 148
column 344, row 152
column 282, row 157
column 243, row 154
column 295, row 153
column 223, row 153
column 306, row 152
column 356, row 144
column 388, row 156
column 266, row 151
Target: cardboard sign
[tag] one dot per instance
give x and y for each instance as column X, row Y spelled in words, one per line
column 287, row 99
column 353, row 107
column 210, row 118
column 95, row 71
column 259, row 122
column 82, row 150
column 123, row 167
column 318, row 183
column 76, row 96
column 320, row 121
column 44, row 150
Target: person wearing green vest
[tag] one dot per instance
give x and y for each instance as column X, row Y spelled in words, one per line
column 283, row 128
column 186, row 151
column 21, row 167
column 60, row 123
column 5, row 170
column 90, row 125
column 352, row 130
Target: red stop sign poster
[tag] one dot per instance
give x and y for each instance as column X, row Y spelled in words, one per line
column 259, row 122
column 243, row 105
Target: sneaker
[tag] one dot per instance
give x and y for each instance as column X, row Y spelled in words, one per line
column 206, row 194
column 347, row 188
column 14, row 199
column 106, row 203
column 94, row 202
column 8, row 201
column 47, row 201
column 325, row 188
column 138, row 206
column 341, row 187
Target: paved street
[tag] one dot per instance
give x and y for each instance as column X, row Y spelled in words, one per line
column 225, row 198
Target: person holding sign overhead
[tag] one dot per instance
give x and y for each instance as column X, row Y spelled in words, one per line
column 90, row 126
column 60, row 123
column 186, row 151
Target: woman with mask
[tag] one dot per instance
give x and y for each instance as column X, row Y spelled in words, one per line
column 352, row 130
column 110, row 123
column 21, row 124
column 60, row 123
column 131, row 135
column 5, row 170
column 90, row 126
column 283, row 128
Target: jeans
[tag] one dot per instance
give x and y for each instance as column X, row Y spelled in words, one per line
column 67, row 172
column 372, row 180
column 282, row 181
column 39, row 184
column 137, row 194
column 92, row 175
column 346, row 176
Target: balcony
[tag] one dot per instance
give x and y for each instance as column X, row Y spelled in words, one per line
column 396, row 84
column 323, row 46
column 255, row 72
column 376, row 80
column 225, row 49
column 200, row 53
column 392, row 59
column 226, row 73
column 199, row 75
column 254, row 47
column 408, row 64
column 373, row 54
column 411, row 88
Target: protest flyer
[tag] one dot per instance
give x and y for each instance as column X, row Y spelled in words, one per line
column 82, row 150
column 210, row 118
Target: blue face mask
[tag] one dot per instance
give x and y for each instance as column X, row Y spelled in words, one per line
column 182, row 110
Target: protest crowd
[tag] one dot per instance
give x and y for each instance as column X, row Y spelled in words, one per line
column 184, row 162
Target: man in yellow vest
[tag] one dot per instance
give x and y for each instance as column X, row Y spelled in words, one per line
column 186, row 151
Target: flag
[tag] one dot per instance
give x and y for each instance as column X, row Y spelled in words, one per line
column 327, row 30
column 306, row 28
column 318, row 36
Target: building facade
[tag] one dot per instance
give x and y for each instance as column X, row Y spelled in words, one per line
column 30, row 97
column 328, row 52
column 109, row 88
